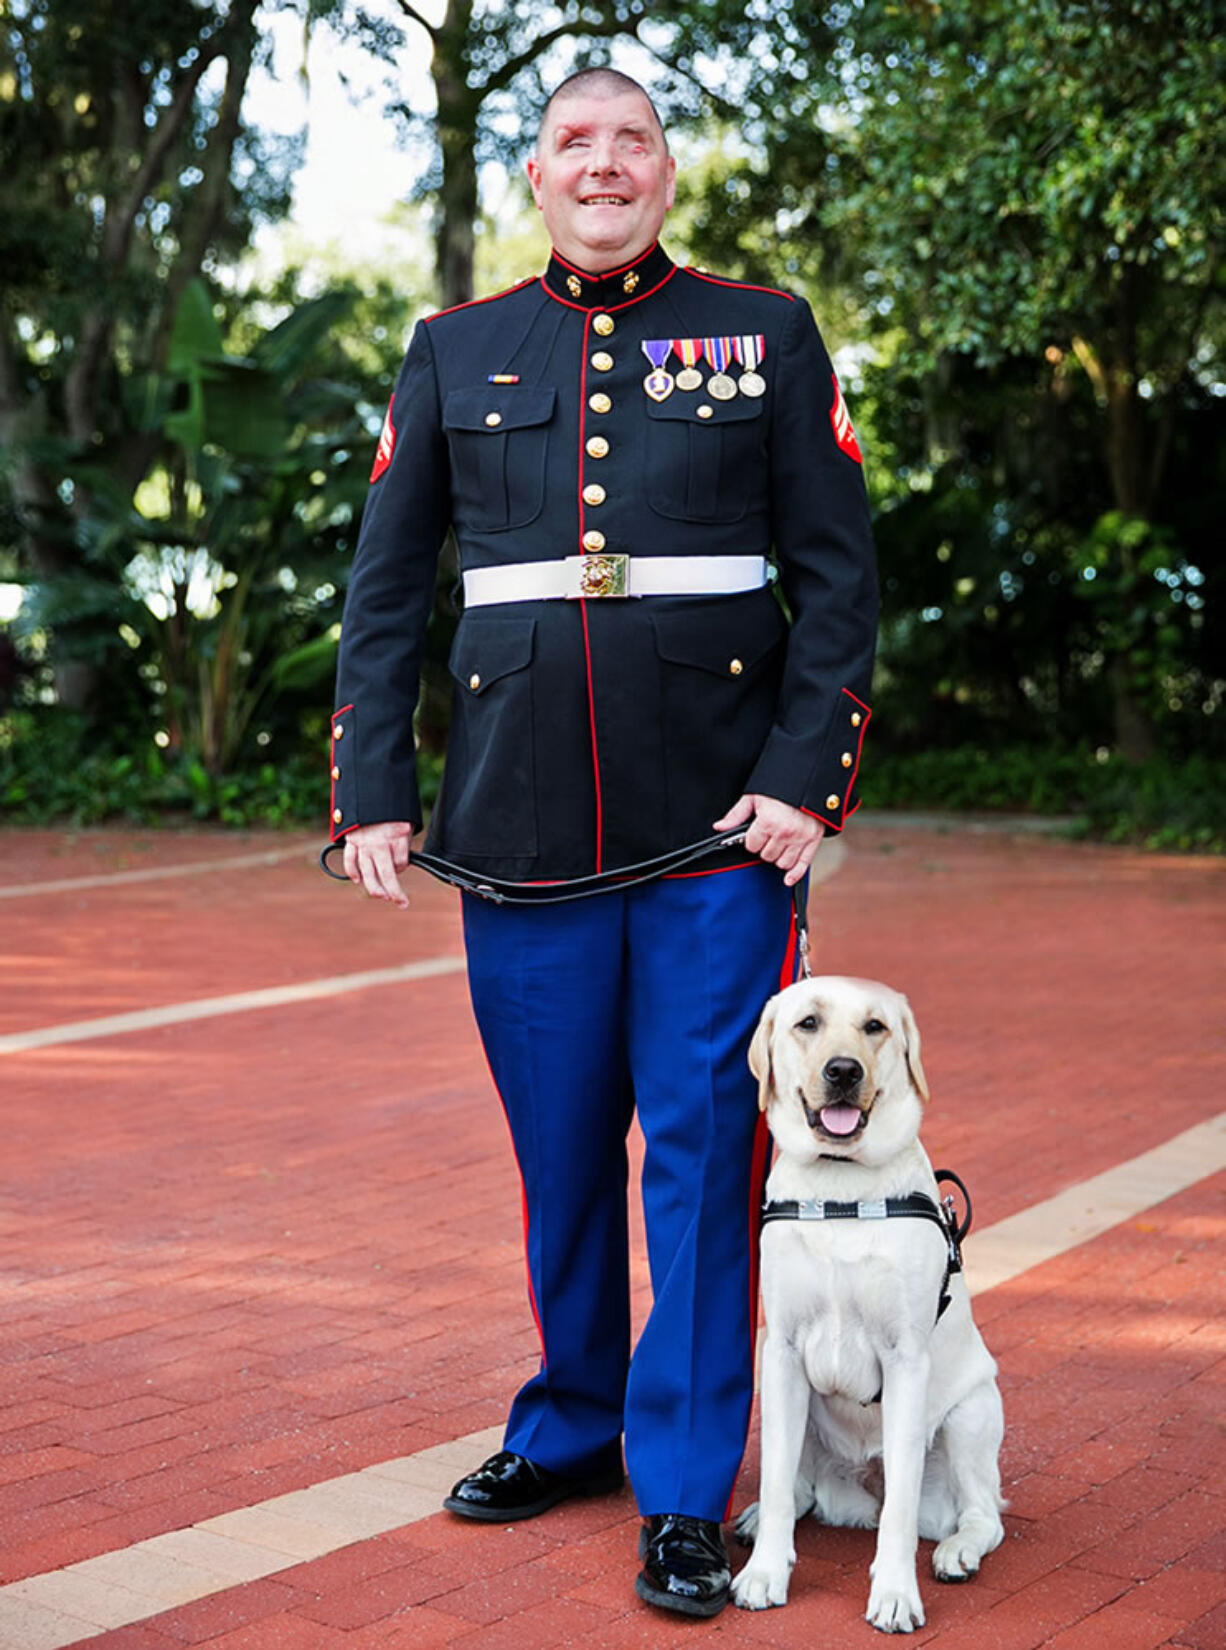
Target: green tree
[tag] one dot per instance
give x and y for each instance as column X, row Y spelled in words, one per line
column 1027, row 202
column 127, row 170
column 222, row 576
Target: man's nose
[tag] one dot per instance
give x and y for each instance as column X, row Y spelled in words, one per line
column 603, row 158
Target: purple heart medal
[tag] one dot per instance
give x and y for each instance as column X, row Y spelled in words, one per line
column 719, row 352
column 658, row 383
column 749, row 349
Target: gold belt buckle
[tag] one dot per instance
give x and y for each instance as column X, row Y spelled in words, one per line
column 603, row 574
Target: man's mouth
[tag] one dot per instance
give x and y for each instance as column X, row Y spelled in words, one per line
column 604, row 200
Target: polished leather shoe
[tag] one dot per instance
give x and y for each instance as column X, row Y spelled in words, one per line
column 685, row 1565
column 509, row 1486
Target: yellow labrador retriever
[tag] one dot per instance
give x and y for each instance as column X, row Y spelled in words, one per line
column 877, row 1407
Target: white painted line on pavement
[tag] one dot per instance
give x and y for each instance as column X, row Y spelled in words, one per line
column 1074, row 1216
column 155, row 873
column 70, row 1605
column 206, row 1008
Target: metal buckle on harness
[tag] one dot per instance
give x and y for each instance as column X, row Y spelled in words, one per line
column 602, row 573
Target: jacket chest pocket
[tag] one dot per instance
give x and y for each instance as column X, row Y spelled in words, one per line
column 704, row 468
column 498, row 438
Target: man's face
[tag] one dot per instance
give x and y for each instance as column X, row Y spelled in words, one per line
column 603, row 178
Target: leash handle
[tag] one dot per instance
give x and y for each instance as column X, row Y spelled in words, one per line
column 518, row 893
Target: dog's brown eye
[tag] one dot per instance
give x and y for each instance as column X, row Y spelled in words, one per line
column 873, row 1027
column 809, row 1023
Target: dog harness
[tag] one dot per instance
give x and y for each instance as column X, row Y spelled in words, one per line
column 915, row 1206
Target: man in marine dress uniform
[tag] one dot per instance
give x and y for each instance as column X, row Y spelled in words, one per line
column 626, row 451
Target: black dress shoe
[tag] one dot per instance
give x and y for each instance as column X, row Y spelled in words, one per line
column 686, row 1567
column 509, row 1486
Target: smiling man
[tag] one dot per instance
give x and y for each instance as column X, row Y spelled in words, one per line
column 628, row 454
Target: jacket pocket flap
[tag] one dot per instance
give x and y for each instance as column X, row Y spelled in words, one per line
column 484, row 653
column 498, row 407
column 726, row 636
column 685, row 406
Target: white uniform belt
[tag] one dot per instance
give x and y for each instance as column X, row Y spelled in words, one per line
column 599, row 574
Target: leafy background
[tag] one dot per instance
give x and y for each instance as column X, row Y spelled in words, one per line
column 1010, row 218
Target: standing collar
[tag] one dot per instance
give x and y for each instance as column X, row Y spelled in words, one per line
column 612, row 287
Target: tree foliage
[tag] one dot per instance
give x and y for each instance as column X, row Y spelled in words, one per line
column 1010, row 217
column 1022, row 210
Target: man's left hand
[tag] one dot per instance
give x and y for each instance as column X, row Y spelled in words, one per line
column 781, row 834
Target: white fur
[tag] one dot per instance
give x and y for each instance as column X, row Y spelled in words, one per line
column 851, row 1311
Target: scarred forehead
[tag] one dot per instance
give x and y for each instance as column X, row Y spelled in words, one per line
column 589, row 109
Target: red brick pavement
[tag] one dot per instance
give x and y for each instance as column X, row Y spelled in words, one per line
column 246, row 1254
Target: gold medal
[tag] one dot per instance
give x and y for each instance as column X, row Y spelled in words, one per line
column 689, row 353
column 718, row 352
column 753, row 383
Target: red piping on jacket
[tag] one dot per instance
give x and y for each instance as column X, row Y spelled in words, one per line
column 868, row 716
column 609, row 309
column 471, row 303
column 742, row 286
column 587, row 641
column 603, row 274
column 334, row 834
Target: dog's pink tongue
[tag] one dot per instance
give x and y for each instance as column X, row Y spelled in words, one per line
column 840, row 1119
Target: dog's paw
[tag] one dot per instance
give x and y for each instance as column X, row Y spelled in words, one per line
column 894, row 1609
column 759, row 1587
column 955, row 1559
column 746, row 1527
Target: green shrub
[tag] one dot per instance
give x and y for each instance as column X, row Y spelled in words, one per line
column 1159, row 804
column 54, row 767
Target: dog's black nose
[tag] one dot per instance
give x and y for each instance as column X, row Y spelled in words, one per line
column 843, row 1072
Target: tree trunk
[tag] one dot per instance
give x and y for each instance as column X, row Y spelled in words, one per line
column 1126, row 433
column 458, row 110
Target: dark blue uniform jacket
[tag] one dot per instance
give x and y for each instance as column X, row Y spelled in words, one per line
column 592, row 734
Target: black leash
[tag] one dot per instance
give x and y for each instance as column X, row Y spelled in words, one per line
column 915, row 1206
column 502, row 892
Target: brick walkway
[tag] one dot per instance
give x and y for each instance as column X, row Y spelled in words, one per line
column 247, row 1255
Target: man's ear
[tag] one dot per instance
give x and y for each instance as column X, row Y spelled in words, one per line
column 760, row 1054
column 533, row 168
column 911, row 1050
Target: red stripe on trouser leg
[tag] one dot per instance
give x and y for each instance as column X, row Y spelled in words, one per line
column 787, row 973
column 757, row 1179
column 523, row 1194
column 536, row 1316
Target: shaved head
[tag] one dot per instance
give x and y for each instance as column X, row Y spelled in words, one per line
column 597, row 83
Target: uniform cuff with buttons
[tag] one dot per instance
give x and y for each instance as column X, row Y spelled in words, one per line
column 378, row 800
column 828, row 791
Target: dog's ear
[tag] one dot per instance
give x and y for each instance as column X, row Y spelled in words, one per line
column 911, row 1050
column 760, row 1054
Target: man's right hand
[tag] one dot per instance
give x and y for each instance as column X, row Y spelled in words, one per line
column 376, row 854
